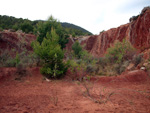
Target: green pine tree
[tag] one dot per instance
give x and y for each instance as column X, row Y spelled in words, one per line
column 45, row 27
column 51, row 53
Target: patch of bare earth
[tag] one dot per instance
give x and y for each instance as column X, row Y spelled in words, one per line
column 32, row 94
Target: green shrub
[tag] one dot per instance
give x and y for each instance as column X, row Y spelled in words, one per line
column 137, row 59
column 78, row 69
column 10, row 63
column 77, row 49
column 102, row 61
column 82, row 61
column 117, row 59
column 119, row 51
column 52, row 55
column 17, row 59
column 91, row 69
column 44, row 27
column 119, row 68
column 1, row 29
column 4, row 56
column 26, row 27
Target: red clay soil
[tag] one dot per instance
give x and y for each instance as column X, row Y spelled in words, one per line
column 32, row 94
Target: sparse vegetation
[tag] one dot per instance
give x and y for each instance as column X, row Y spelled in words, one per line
column 77, row 70
column 47, row 55
column 133, row 18
column 54, row 98
column 81, row 63
column 116, row 60
column 100, row 98
column 137, row 59
column 119, row 52
column 102, row 31
column 28, row 59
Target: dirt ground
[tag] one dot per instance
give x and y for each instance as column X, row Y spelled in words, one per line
column 33, row 94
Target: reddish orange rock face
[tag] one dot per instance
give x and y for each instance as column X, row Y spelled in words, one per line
column 137, row 32
column 14, row 40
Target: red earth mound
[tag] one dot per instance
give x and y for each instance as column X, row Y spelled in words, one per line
column 132, row 76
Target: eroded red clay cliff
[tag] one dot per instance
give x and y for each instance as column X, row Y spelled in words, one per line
column 15, row 40
column 137, row 32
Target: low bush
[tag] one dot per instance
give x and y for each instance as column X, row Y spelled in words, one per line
column 4, row 56
column 78, row 70
column 102, row 61
column 116, row 59
column 81, row 62
column 10, row 63
column 77, row 49
column 118, row 53
column 137, row 59
column 26, row 58
column 91, row 69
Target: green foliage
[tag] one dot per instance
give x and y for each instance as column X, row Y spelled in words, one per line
column 117, row 59
column 24, row 58
column 77, row 49
column 43, row 28
column 26, row 27
column 78, row 69
column 17, row 59
column 75, row 64
column 1, row 29
column 82, row 63
column 102, row 31
column 133, row 18
column 119, row 50
column 7, row 61
column 75, row 30
column 3, row 57
column 10, row 63
column 9, row 22
column 50, row 51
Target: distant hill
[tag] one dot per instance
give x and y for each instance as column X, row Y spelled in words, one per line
column 68, row 25
column 9, row 22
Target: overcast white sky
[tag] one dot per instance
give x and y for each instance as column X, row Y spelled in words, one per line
column 93, row 15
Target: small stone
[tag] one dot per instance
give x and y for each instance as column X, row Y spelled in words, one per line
column 131, row 66
column 47, row 79
column 143, row 68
